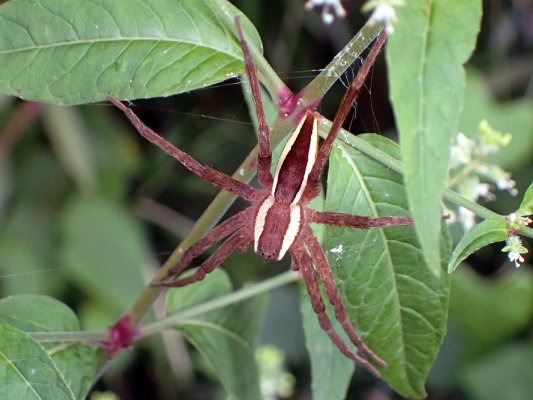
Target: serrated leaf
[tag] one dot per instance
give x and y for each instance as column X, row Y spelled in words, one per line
column 397, row 304
column 225, row 337
column 432, row 39
column 491, row 230
column 75, row 361
column 331, row 371
column 26, row 370
column 76, row 51
column 488, row 311
column 104, row 250
column 526, row 207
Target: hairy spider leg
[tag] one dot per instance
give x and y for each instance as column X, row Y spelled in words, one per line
column 354, row 221
column 301, row 261
column 239, row 240
column 214, row 236
column 313, row 181
column 219, row 179
column 264, row 159
column 326, row 276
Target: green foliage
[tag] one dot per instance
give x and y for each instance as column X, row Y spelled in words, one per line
column 491, row 230
column 380, row 272
column 526, row 207
column 70, row 221
column 51, row 370
column 133, row 49
column 28, row 371
column 433, row 40
column 226, row 337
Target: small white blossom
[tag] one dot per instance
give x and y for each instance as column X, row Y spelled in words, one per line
column 383, row 11
column 467, row 218
column 468, row 169
column 515, row 249
column 331, row 8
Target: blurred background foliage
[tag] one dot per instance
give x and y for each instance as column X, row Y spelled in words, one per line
column 76, row 183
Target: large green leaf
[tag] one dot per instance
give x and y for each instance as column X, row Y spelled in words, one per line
column 26, row 370
column 398, row 305
column 225, row 337
column 75, row 361
column 76, row 51
column 433, row 38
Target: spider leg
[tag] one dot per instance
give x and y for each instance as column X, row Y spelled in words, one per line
column 214, row 236
column 354, row 221
column 216, row 178
column 313, row 181
column 264, row 160
column 238, row 240
column 326, row 276
column 302, row 261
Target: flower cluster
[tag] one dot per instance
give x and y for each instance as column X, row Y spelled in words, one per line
column 470, row 176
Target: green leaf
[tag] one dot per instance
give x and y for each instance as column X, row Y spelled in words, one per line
column 489, row 311
column 489, row 231
column 225, row 337
column 331, row 371
column 104, row 250
column 76, row 51
column 526, row 207
column 26, row 370
column 397, row 304
column 432, row 40
column 75, row 361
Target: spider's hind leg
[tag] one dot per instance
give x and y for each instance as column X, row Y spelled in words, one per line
column 326, row 276
column 303, row 262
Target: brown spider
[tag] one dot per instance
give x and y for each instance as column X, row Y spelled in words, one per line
column 278, row 219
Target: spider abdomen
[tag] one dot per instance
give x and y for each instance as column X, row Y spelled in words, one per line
column 276, row 226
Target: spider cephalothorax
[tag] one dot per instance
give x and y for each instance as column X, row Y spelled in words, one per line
column 278, row 219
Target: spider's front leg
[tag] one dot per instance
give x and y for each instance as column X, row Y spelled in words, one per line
column 226, row 228
column 240, row 240
column 264, row 159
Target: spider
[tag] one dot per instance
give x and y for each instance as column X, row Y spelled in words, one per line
column 278, row 218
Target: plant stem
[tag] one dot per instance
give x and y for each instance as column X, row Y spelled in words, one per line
column 209, row 218
column 222, row 301
column 168, row 322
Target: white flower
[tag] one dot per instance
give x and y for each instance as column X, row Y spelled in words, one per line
column 514, row 256
column 327, row 14
column 467, row 218
column 515, row 249
column 383, row 11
